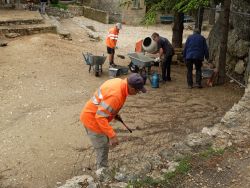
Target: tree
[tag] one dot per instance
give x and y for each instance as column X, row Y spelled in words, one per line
column 223, row 43
column 178, row 7
column 178, row 29
column 199, row 18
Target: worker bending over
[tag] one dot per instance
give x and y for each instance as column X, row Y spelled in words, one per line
column 166, row 52
column 102, row 108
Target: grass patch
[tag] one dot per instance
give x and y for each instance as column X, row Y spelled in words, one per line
column 183, row 168
column 211, row 152
column 170, row 178
column 59, row 6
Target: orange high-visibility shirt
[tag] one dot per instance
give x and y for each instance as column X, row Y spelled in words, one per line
column 104, row 105
column 112, row 37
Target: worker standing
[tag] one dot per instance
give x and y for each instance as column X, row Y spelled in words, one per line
column 194, row 52
column 166, row 52
column 102, row 108
column 111, row 41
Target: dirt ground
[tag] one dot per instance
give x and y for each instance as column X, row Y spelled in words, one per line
column 44, row 84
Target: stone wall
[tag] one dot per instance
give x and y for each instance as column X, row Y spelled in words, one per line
column 95, row 14
column 129, row 14
column 132, row 15
column 52, row 11
column 238, row 39
column 76, row 10
column 110, row 6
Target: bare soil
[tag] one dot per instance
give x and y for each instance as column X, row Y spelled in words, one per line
column 44, row 84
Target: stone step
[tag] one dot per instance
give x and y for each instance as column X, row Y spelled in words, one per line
column 17, row 21
column 19, row 17
column 28, row 29
column 7, row 6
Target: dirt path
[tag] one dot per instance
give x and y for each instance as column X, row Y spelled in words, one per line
column 44, row 85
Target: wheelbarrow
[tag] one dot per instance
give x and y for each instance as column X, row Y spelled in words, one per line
column 139, row 62
column 94, row 61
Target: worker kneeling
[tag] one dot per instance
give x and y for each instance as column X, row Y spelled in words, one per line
column 102, row 108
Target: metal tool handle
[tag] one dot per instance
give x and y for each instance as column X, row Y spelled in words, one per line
column 120, row 119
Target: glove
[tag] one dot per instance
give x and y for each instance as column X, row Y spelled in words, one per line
column 157, row 59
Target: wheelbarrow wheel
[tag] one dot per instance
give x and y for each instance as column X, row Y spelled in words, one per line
column 133, row 68
column 97, row 74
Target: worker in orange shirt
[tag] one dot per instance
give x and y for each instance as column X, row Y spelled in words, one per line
column 102, row 108
column 111, row 41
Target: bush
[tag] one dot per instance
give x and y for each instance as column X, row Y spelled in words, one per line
column 59, row 5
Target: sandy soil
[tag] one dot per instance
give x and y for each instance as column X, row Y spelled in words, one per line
column 44, row 84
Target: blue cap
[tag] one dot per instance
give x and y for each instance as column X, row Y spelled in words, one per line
column 136, row 81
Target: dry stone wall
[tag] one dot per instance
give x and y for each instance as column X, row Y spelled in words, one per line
column 238, row 39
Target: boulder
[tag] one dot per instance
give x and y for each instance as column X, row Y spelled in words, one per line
column 198, row 140
column 240, row 67
column 12, row 35
column 79, row 182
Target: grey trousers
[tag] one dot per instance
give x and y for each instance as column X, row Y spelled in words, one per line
column 43, row 5
column 100, row 143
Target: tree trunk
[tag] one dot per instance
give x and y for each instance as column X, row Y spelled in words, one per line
column 223, row 43
column 212, row 13
column 199, row 18
column 178, row 30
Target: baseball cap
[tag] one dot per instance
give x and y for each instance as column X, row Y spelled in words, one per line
column 118, row 25
column 136, row 81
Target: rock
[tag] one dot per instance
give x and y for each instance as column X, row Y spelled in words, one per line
column 102, row 174
column 63, row 33
column 240, row 67
column 118, row 185
column 91, row 34
column 210, row 131
column 170, row 154
column 120, row 176
column 172, row 166
column 156, row 174
column 182, row 148
column 198, row 140
column 3, row 43
column 58, row 183
column 219, row 169
column 79, row 182
column 241, row 23
column 12, row 35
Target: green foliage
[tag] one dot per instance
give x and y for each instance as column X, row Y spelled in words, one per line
column 171, row 5
column 54, row 1
column 125, row 3
column 59, row 5
column 183, row 167
column 145, row 182
column 189, row 5
column 211, row 152
column 150, row 16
